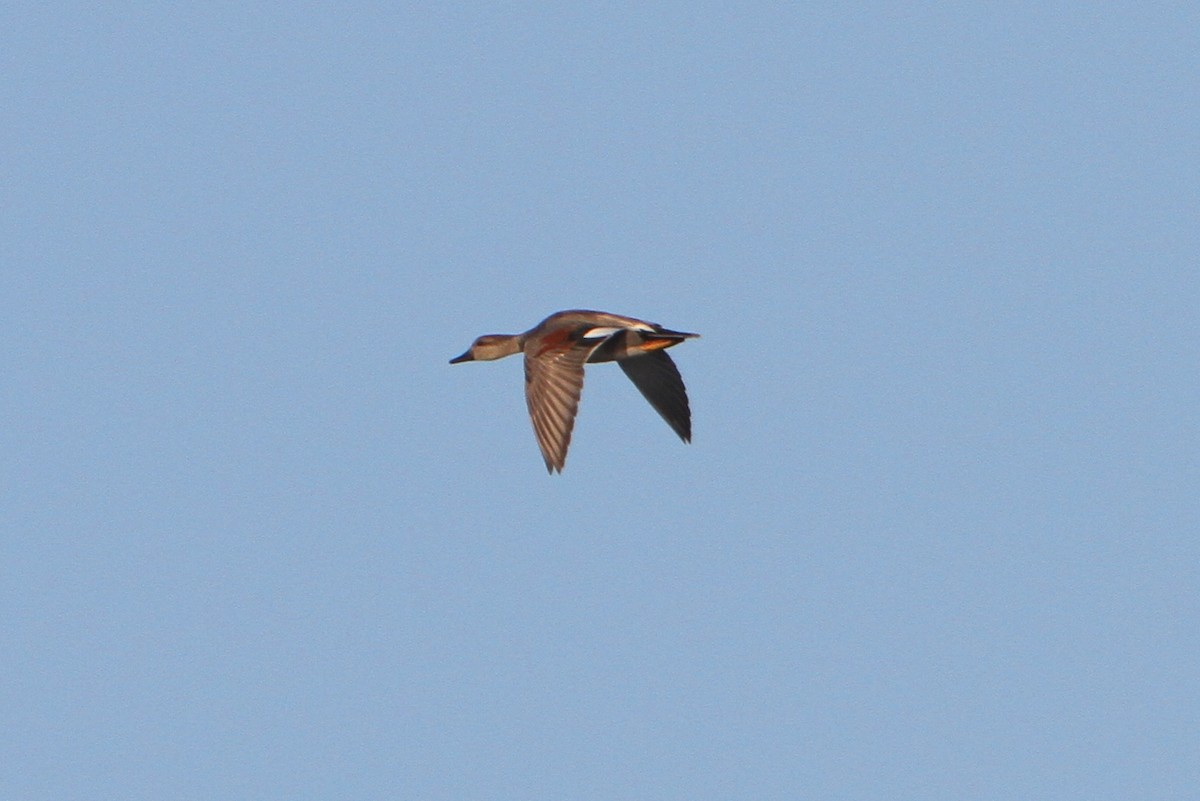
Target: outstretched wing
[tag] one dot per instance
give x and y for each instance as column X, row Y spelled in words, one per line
column 657, row 378
column 553, row 384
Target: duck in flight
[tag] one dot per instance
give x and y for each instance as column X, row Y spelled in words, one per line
column 555, row 352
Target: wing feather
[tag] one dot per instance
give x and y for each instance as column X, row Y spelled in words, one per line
column 655, row 375
column 553, row 385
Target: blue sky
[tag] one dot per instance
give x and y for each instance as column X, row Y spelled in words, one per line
column 935, row 537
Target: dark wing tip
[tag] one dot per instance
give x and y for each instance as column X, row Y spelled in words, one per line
column 657, row 378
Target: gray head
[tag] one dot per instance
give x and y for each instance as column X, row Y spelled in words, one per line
column 489, row 347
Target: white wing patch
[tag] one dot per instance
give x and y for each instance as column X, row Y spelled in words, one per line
column 600, row 333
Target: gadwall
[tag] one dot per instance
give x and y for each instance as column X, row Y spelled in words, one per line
column 555, row 352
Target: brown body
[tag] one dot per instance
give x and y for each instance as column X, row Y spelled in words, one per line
column 557, row 348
